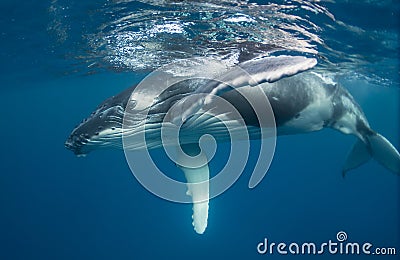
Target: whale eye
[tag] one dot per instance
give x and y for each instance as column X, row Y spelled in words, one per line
column 297, row 116
column 132, row 103
column 113, row 128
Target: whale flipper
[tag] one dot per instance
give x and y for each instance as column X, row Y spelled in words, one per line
column 198, row 186
column 249, row 73
column 377, row 147
column 267, row 69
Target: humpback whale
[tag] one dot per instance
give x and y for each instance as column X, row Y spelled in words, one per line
column 301, row 100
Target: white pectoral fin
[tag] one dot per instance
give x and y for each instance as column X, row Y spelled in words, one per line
column 267, row 69
column 198, row 188
column 251, row 72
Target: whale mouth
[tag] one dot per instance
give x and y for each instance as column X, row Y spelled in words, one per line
column 82, row 142
column 76, row 143
column 101, row 129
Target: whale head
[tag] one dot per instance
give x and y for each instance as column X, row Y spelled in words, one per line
column 103, row 128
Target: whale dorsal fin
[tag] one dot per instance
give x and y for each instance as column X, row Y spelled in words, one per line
column 198, row 185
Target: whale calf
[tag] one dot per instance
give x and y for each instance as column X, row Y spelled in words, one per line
column 301, row 100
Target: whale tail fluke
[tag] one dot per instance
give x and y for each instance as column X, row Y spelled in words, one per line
column 384, row 152
column 377, row 147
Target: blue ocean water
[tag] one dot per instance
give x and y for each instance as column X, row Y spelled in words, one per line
column 60, row 59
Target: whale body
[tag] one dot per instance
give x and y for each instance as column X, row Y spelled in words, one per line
column 302, row 101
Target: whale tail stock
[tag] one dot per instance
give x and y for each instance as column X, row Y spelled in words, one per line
column 374, row 146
